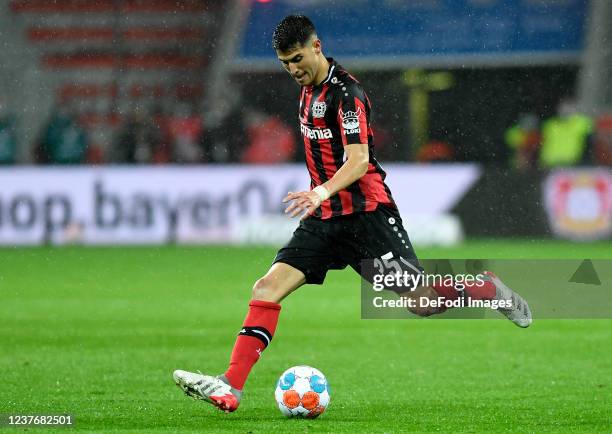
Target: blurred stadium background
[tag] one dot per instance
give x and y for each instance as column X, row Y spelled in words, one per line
column 495, row 117
column 171, row 124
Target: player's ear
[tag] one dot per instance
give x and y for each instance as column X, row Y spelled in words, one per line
column 316, row 45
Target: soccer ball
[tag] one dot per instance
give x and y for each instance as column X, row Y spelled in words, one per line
column 302, row 391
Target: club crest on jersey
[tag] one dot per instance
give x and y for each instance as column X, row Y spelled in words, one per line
column 350, row 121
column 318, row 109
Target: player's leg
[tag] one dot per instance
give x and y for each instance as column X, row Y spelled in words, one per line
column 260, row 323
column 379, row 236
column 382, row 236
column 279, row 282
column 257, row 331
column 491, row 288
column 418, row 308
column 305, row 259
column 440, row 292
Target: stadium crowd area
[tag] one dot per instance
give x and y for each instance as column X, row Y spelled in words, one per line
column 243, row 134
column 130, row 82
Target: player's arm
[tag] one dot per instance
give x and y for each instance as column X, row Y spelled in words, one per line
column 355, row 166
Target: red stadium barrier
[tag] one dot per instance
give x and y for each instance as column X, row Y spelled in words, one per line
column 46, row 34
column 50, row 34
column 140, row 33
column 70, row 91
column 130, row 61
column 91, row 120
column 127, row 6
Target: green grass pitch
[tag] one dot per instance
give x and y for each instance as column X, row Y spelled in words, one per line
column 97, row 332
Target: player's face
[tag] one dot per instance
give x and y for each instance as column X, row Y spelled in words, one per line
column 301, row 62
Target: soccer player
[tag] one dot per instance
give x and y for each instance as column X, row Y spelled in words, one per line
column 348, row 215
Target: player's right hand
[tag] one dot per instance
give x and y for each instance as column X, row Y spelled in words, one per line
column 303, row 202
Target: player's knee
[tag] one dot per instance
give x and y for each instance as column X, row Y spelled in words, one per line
column 423, row 311
column 265, row 289
column 416, row 305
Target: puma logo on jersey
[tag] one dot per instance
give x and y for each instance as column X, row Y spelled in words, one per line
column 315, row 133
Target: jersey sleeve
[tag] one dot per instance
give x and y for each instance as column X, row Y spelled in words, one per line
column 352, row 114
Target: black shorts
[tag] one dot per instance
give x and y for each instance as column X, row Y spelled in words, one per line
column 321, row 245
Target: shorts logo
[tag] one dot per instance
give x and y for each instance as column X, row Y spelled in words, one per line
column 318, row 109
column 350, row 121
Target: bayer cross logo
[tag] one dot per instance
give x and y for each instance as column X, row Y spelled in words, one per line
column 318, row 109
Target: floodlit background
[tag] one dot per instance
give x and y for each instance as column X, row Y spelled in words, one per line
column 145, row 146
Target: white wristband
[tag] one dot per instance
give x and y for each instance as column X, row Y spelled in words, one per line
column 322, row 192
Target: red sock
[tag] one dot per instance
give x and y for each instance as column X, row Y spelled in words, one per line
column 486, row 291
column 447, row 291
column 480, row 291
column 256, row 333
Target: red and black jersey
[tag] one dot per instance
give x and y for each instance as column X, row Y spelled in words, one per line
column 332, row 115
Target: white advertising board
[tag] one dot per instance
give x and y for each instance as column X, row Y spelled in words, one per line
column 184, row 204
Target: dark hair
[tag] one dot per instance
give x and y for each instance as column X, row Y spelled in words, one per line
column 291, row 31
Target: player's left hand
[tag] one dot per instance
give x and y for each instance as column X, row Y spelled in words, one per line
column 305, row 202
